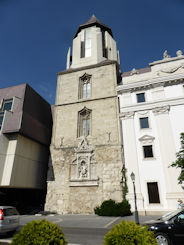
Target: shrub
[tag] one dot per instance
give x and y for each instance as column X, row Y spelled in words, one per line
column 128, row 233
column 41, row 232
column 112, row 208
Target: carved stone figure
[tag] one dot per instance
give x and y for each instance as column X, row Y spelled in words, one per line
column 134, row 71
column 179, row 53
column 83, row 170
column 165, row 55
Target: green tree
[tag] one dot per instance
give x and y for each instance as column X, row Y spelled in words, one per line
column 179, row 163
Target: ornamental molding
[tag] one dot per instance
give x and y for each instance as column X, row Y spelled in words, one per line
column 83, row 146
column 146, row 139
column 143, row 113
column 147, row 106
column 84, row 166
column 161, row 110
column 172, row 69
column 127, row 115
column 85, row 76
column 151, row 83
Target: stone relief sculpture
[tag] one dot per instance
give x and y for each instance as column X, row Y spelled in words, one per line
column 83, row 170
column 84, row 165
column 173, row 69
column 161, row 110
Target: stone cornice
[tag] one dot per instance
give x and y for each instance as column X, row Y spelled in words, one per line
column 166, row 60
column 103, row 63
column 127, row 115
column 158, row 106
column 161, row 110
column 151, row 83
column 84, row 100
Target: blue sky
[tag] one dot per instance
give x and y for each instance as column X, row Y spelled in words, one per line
column 35, row 35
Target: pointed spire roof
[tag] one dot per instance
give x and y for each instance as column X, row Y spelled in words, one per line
column 93, row 21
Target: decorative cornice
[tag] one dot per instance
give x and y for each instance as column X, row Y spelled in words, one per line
column 161, row 110
column 166, row 60
column 127, row 115
column 103, row 63
column 146, row 139
column 151, row 105
column 151, row 83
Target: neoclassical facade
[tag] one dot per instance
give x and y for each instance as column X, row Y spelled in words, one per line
column 104, row 119
column 151, row 112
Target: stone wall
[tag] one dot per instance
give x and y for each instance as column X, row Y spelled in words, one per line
column 86, row 170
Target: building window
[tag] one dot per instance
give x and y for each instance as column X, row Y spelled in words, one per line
column 140, row 97
column 84, row 122
column 148, row 151
column 153, row 192
column 86, row 44
column 144, row 123
column 6, row 106
column 85, row 86
column 1, row 119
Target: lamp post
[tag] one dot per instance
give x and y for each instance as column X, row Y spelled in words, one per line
column 135, row 199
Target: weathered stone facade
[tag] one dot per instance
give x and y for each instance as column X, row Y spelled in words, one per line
column 86, row 170
column 86, row 151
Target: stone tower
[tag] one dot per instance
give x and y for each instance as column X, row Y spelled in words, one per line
column 86, row 150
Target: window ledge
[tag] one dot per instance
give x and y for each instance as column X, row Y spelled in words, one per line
column 84, row 182
column 149, row 159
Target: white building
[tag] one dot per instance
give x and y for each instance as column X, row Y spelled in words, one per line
column 151, row 113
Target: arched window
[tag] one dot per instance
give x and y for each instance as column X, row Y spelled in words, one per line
column 84, row 122
column 85, row 86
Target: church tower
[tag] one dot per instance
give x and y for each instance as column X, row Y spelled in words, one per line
column 86, row 151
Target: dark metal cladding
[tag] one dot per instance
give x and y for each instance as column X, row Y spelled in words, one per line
column 32, row 115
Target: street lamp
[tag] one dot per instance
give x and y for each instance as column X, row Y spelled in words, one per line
column 135, row 199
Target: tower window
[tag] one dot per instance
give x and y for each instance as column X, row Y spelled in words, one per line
column 148, row 151
column 144, row 123
column 104, row 45
column 84, row 122
column 85, row 86
column 140, row 97
column 153, row 192
column 86, row 44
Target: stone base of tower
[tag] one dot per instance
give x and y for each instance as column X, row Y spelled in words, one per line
column 70, row 192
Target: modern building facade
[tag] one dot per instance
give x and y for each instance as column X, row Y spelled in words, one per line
column 86, row 150
column 25, row 133
column 151, row 112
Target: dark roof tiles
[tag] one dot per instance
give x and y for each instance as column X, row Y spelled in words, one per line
column 93, row 21
column 137, row 71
